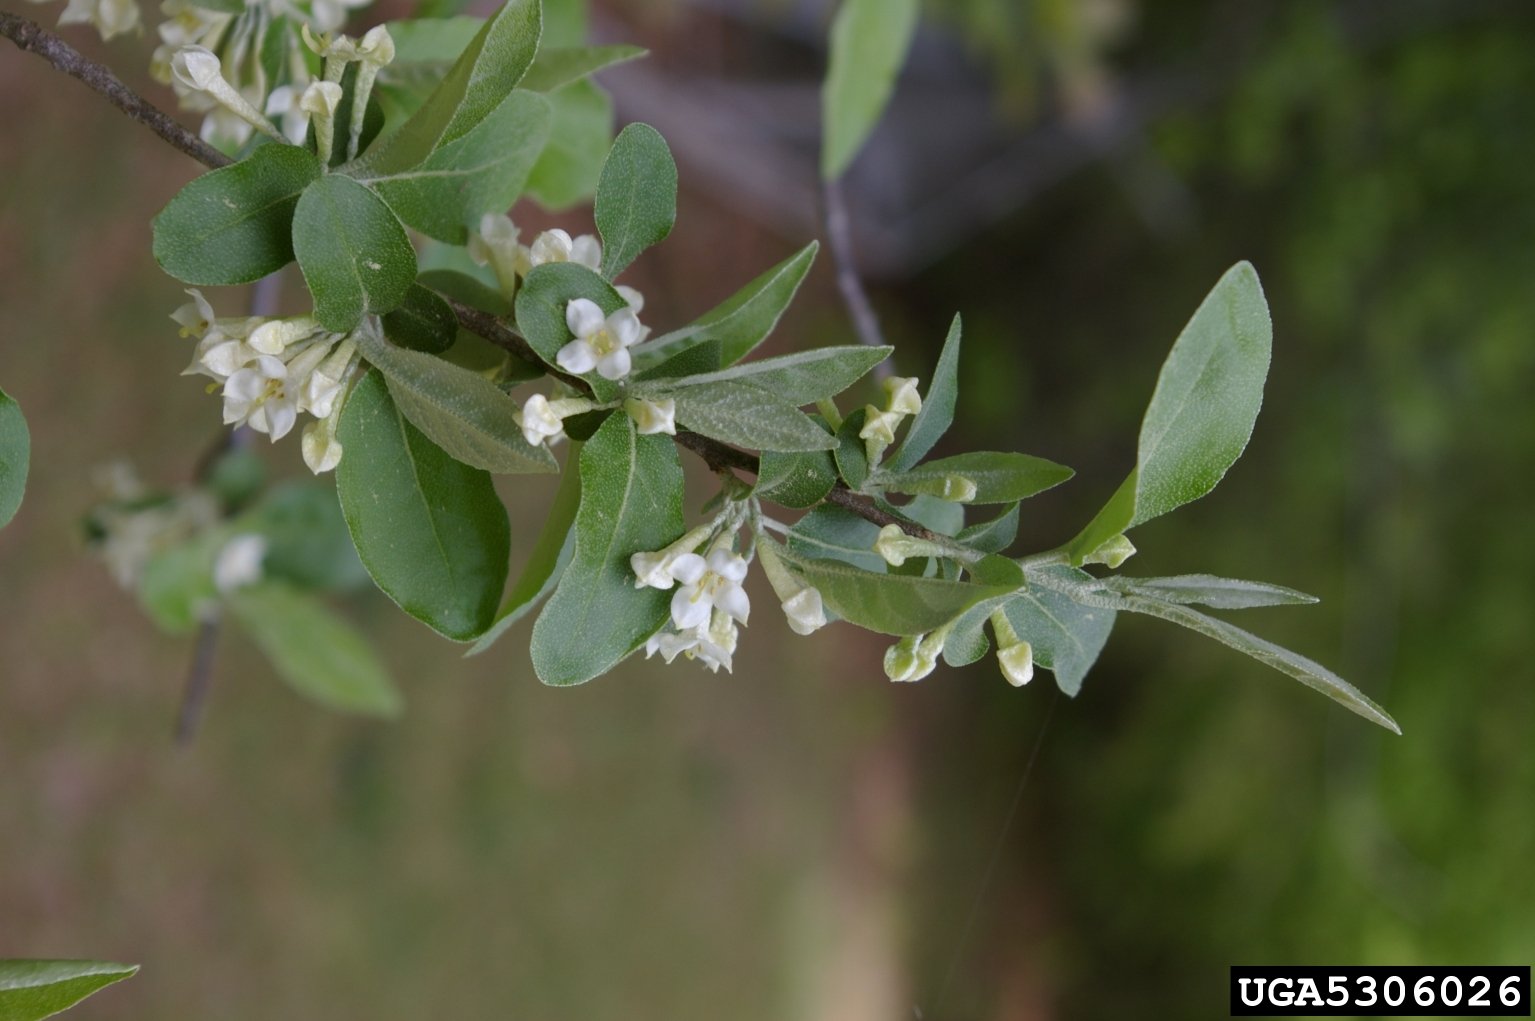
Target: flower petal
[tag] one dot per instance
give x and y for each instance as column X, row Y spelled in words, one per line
column 577, row 357
column 584, row 317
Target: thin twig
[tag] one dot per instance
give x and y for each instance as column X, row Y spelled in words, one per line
column 839, row 240
column 33, row 38
column 199, row 682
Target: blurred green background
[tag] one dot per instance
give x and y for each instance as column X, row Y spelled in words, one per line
column 803, row 839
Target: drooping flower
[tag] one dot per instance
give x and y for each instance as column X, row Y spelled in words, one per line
column 495, row 245
column 601, row 342
column 805, row 612
column 539, row 421
column 1017, row 663
column 902, row 396
column 654, row 570
column 652, row 418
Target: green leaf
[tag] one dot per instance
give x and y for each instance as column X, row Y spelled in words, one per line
column 460, row 411
column 353, row 252
column 851, row 454
column 636, row 197
column 557, row 66
column 801, row 378
column 15, row 457
column 235, row 224
column 748, row 417
column 869, row 39
column 937, row 412
column 482, row 172
column 541, row 304
column 568, row 171
column 796, row 480
column 1208, row 590
column 484, row 74
column 30, row 990
column 887, row 603
column 997, row 477
column 992, row 536
column 1067, row 636
column 631, row 502
column 831, row 533
column 550, row 556
column 423, row 322
column 1202, row 412
column 314, row 650
column 465, row 288
column 741, row 322
column 1307, row 671
column 932, row 513
column 430, row 530
column 307, row 540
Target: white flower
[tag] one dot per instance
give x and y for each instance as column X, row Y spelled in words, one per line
column 707, row 584
column 111, row 17
column 197, row 68
column 713, row 645
column 805, row 612
column 274, row 336
column 653, row 417
column 321, row 449
column 376, row 46
column 284, row 105
column 320, row 99
column 600, row 342
column 330, row 15
column 558, row 246
column 654, row 570
column 325, row 383
column 903, row 398
column 634, row 299
column 219, row 356
column 238, row 563
column 1017, row 663
column 259, row 396
column 196, row 316
column 495, row 245
column 539, row 420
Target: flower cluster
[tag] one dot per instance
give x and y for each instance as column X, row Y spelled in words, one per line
column 132, row 525
column 272, row 370
column 709, row 600
column 600, row 341
column 258, row 67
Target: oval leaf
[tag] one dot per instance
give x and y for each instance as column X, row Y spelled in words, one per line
column 30, row 990
column 890, row 604
column 541, row 304
column 459, row 410
column 429, row 529
column 353, row 252
column 482, row 172
column 631, row 502
column 423, row 322
column 235, row 224
column 315, row 651
column 801, row 378
column 636, row 197
column 997, row 477
column 748, row 417
column 869, row 39
column 15, row 456
column 1202, row 412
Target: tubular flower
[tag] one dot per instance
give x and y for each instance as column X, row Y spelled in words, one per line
column 542, row 419
column 654, row 570
column 601, row 342
column 652, row 417
column 239, row 562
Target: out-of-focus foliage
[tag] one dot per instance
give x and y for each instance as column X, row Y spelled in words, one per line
column 1209, row 825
